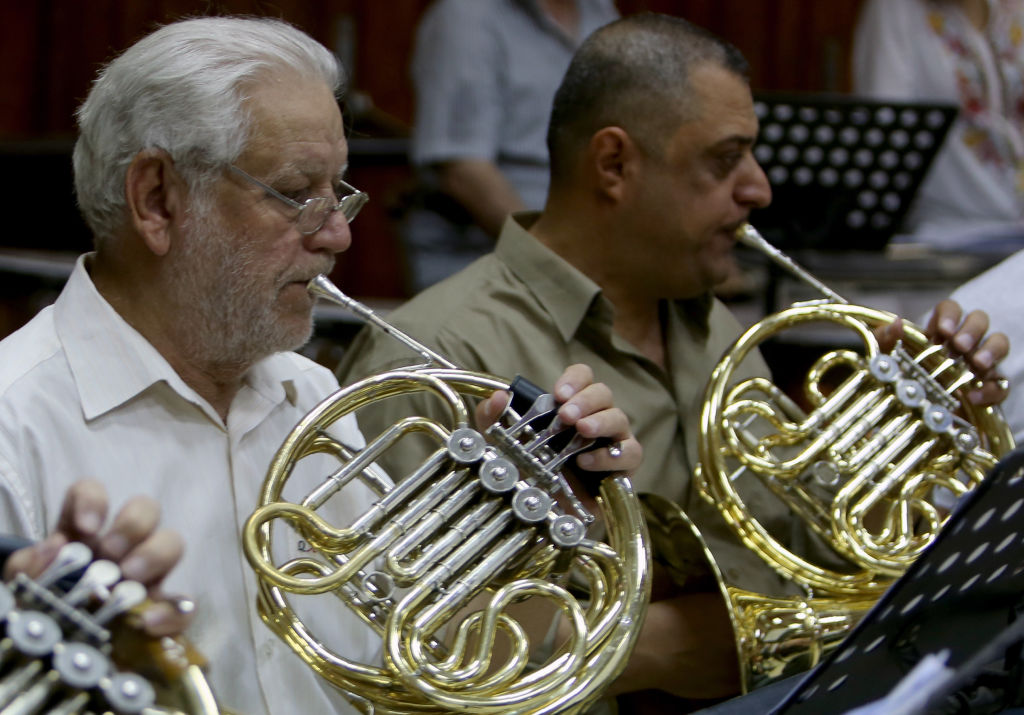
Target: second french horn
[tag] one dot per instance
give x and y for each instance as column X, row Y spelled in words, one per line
column 860, row 463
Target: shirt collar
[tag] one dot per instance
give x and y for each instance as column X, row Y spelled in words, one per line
column 697, row 312
column 113, row 363
column 567, row 294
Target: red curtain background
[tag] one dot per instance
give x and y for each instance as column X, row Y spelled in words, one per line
column 51, row 49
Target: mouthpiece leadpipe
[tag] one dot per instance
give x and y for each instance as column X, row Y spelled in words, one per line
column 748, row 236
column 321, row 287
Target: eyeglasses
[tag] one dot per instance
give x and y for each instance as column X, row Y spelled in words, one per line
column 314, row 212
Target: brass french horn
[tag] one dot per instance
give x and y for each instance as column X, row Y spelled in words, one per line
column 860, row 464
column 70, row 647
column 437, row 565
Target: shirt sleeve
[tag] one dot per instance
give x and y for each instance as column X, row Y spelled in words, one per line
column 18, row 517
column 882, row 48
column 457, row 78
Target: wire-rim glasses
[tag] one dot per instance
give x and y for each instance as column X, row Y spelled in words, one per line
column 314, row 212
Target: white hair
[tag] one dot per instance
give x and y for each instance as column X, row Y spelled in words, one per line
column 182, row 89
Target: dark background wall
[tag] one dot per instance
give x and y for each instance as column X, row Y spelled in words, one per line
column 51, row 49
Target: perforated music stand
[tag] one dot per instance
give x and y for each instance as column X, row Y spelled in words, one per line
column 960, row 596
column 843, row 169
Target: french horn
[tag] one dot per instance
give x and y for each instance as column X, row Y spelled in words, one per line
column 860, row 463
column 436, row 567
column 69, row 647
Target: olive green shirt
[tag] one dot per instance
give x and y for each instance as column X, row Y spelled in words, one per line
column 523, row 310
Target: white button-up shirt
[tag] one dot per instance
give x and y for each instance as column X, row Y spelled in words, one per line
column 82, row 394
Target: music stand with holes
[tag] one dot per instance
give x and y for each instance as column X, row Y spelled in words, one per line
column 960, row 596
column 843, row 169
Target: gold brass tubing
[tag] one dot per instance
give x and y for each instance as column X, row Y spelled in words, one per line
column 358, row 465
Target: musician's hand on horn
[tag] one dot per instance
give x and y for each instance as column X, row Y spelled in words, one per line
column 144, row 552
column 589, row 406
column 964, row 335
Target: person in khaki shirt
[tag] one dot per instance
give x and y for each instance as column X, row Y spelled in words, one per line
column 651, row 175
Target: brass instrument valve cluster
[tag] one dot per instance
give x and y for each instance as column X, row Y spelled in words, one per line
column 55, row 655
column 919, row 391
column 522, row 462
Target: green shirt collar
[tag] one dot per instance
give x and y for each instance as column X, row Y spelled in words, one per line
column 569, row 295
column 566, row 292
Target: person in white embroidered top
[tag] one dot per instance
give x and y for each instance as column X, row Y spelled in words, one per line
column 969, row 53
column 209, row 167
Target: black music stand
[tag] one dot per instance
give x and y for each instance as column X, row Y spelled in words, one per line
column 962, row 597
column 843, row 169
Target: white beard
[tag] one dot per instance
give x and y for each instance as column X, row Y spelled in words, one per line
column 224, row 305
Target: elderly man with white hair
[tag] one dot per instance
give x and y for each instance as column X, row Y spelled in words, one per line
column 210, row 169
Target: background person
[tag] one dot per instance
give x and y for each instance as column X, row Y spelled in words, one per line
column 969, row 53
column 484, row 73
column 996, row 291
